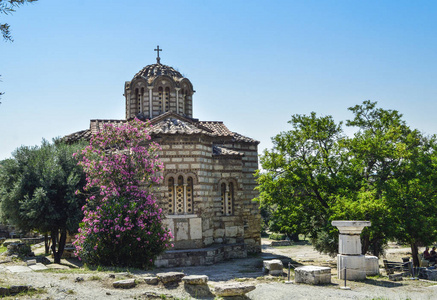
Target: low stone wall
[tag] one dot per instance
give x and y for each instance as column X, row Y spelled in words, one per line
column 199, row 257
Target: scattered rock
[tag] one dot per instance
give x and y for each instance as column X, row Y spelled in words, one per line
column 151, row 280
column 153, row 295
column 195, row 279
column 78, row 279
column 31, row 262
column 274, row 267
column 108, row 293
column 233, row 289
column 170, row 277
column 395, row 277
column 15, row 289
column 124, row 284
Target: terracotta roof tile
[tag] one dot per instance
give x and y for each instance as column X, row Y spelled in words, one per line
column 222, row 151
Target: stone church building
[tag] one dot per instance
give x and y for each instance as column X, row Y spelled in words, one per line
column 208, row 184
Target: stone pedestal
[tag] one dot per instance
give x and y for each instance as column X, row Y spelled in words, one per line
column 372, row 265
column 355, row 266
column 349, row 249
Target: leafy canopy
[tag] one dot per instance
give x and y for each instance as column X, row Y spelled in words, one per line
column 385, row 173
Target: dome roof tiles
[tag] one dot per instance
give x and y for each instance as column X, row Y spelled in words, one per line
column 150, row 72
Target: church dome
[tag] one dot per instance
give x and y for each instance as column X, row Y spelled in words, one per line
column 157, row 89
column 151, row 72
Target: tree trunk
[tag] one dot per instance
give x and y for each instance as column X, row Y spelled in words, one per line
column 46, row 243
column 415, row 254
column 54, row 235
column 61, row 244
column 365, row 243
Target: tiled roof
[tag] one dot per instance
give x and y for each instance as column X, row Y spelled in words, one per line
column 217, row 127
column 176, row 126
column 241, row 138
column 168, row 124
column 150, row 72
column 217, row 150
column 97, row 125
column 80, row 135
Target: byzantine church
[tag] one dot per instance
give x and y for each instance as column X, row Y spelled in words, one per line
column 208, row 188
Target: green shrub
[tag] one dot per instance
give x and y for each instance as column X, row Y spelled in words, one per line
column 277, row 236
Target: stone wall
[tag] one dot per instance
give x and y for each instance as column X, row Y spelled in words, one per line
column 192, row 155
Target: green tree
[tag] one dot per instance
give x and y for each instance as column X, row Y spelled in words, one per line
column 301, row 174
column 384, row 173
column 37, row 191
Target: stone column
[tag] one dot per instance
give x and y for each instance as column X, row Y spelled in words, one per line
column 349, row 249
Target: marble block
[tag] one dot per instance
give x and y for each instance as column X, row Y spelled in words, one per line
column 312, row 275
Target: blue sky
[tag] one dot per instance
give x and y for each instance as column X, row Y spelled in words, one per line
column 253, row 64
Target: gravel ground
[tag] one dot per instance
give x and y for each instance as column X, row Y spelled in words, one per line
column 61, row 284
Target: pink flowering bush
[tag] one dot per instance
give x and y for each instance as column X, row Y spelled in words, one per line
column 122, row 222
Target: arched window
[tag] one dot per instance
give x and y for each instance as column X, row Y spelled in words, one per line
column 141, row 101
column 137, row 101
column 189, row 198
column 230, row 203
column 160, row 102
column 227, row 198
column 170, row 200
column 180, row 196
column 182, row 103
column 167, row 99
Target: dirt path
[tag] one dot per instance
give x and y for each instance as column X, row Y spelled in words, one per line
column 61, row 284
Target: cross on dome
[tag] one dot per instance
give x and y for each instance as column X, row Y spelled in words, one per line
column 158, row 59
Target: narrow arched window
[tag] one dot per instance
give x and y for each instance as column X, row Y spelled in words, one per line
column 230, row 202
column 171, row 193
column 189, row 198
column 137, row 101
column 182, row 103
column 223, row 197
column 180, row 191
column 160, row 100
column 167, row 99
column 141, row 101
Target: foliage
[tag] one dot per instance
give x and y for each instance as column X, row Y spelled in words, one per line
column 122, row 224
column 7, row 7
column 37, row 191
column 385, row 173
column 277, row 236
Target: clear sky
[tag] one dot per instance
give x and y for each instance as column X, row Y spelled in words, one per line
column 252, row 63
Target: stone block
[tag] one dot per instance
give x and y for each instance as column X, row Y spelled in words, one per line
column 195, row 228
column 274, row 267
column 395, row 277
column 181, row 232
column 31, row 262
column 195, row 279
column 349, row 244
column 372, row 265
column 231, row 231
column 124, row 284
column 170, row 277
column 233, row 289
column 312, row 275
column 151, row 280
column 355, row 267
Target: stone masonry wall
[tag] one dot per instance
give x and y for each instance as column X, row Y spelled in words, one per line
column 192, row 155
